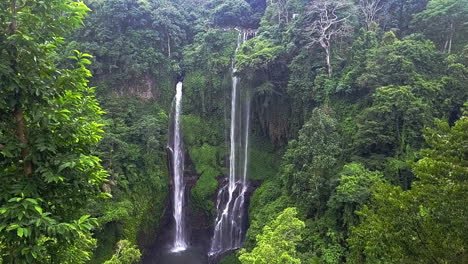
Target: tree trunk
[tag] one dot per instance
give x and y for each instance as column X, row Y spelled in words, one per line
column 450, row 39
column 168, row 46
column 13, row 25
column 21, row 134
column 327, row 54
column 446, row 45
column 279, row 14
column 18, row 113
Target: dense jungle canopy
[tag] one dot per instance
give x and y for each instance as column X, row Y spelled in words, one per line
column 356, row 142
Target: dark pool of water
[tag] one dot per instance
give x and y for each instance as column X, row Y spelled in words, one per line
column 188, row 256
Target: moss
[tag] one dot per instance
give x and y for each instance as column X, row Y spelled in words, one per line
column 147, row 211
column 230, row 259
column 138, row 213
column 206, row 159
column 107, row 238
column 204, row 141
column 135, row 137
column 207, row 183
column 198, row 131
column 263, row 161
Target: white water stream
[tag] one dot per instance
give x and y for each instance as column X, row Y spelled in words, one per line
column 180, row 242
column 229, row 223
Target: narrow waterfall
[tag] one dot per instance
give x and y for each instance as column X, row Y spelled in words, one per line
column 230, row 205
column 179, row 243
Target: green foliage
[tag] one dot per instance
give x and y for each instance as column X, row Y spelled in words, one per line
column 125, row 253
column 393, row 122
column 230, row 259
column 256, row 54
column 277, row 242
column 263, row 161
column 388, row 83
column 323, row 241
column 231, row 13
column 80, row 250
column 395, row 62
column 353, row 191
column 207, row 61
column 453, row 87
column 301, row 87
column 206, row 160
column 309, row 161
column 443, row 22
column 206, row 152
column 424, row 224
column 212, row 49
column 1, row 254
column 49, row 124
column 137, row 44
column 266, row 202
column 198, row 131
column 133, row 151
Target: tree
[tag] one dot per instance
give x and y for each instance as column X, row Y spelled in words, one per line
column 125, row 253
column 49, row 125
column 277, row 243
column 353, row 191
column 281, row 8
column 390, row 61
column 327, row 24
column 137, row 44
column 309, row 161
column 370, row 10
column 444, row 20
column 397, row 15
column 426, row 224
column 393, row 121
column 231, row 13
column 256, row 54
column 206, row 62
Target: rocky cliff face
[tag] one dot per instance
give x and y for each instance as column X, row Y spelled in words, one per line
column 144, row 88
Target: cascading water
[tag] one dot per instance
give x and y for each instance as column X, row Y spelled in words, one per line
column 230, row 220
column 179, row 243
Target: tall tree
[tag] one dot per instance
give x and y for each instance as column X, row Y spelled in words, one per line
column 328, row 22
column 352, row 192
column 443, row 21
column 125, row 253
column 48, row 128
column 277, row 243
column 426, row 224
column 309, row 161
column 393, row 121
column 370, row 9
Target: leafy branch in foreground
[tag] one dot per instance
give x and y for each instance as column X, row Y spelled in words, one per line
column 49, row 126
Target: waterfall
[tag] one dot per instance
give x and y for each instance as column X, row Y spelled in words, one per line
column 230, row 204
column 179, row 243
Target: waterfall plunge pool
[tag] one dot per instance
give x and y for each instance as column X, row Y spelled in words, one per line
column 189, row 256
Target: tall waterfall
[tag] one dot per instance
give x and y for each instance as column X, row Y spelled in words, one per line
column 179, row 243
column 230, row 205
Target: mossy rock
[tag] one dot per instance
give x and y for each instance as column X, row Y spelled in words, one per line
column 263, row 160
column 198, row 131
column 230, row 259
column 206, row 159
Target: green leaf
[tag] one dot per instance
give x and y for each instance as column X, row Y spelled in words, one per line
column 83, row 219
column 38, row 209
column 19, row 232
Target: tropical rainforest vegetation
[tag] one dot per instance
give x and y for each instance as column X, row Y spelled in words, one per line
column 359, row 150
